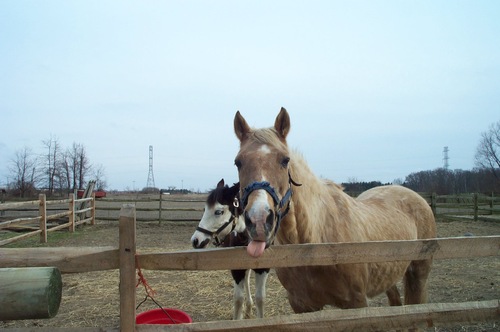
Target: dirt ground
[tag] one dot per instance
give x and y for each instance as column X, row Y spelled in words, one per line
column 92, row 299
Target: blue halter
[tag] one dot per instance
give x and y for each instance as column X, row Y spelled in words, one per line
column 280, row 204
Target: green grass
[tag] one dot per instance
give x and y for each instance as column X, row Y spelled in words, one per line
column 53, row 239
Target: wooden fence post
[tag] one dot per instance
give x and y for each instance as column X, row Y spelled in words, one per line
column 476, row 207
column 42, row 211
column 29, row 292
column 159, row 212
column 127, row 268
column 92, row 212
column 71, row 213
column 492, row 205
column 2, row 200
column 433, row 204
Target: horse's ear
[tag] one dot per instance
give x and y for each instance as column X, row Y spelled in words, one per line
column 234, row 190
column 220, row 184
column 241, row 127
column 282, row 123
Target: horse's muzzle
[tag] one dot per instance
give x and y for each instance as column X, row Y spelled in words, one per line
column 260, row 229
column 200, row 245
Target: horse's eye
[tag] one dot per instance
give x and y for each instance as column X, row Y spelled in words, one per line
column 237, row 163
column 219, row 212
column 285, row 161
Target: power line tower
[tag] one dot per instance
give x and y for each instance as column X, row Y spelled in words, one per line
column 151, row 177
column 446, row 158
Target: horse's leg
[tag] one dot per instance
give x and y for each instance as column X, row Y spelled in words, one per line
column 393, row 296
column 248, row 295
column 416, row 281
column 239, row 292
column 260, row 290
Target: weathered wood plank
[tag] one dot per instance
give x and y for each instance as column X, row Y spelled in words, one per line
column 323, row 254
column 377, row 318
column 364, row 319
column 29, row 293
column 70, row 260
column 60, row 201
column 58, row 227
column 63, row 329
column 58, row 215
column 66, row 259
column 127, row 267
column 10, row 206
column 83, row 221
column 19, row 221
column 18, row 238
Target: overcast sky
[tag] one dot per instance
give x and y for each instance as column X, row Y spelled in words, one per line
column 375, row 89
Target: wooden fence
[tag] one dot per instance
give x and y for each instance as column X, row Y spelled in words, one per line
column 76, row 213
column 154, row 208
column 126, row 259
column 164, row 208
column 464, row 206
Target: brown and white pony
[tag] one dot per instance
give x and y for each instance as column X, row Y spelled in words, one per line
column 223, row 224
column 277, row 208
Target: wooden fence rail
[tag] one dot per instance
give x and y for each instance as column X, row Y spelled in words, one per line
column 76, row 216
column 464, row 206
column 156, row 205
column 125, row 258
column 165, row 208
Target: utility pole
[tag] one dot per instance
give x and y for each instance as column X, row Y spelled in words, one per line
column 446, row 158
column 151, row 178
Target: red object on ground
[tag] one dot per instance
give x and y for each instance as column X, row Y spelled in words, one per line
column 157, row 316
column 98, row 193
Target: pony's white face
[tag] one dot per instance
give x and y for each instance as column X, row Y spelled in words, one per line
column 217, row 220
column 213, row 218
column 264, row 178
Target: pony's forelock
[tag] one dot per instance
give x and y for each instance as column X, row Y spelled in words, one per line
column 222, row 195
column 216, row 195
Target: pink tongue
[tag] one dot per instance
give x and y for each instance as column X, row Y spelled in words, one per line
column 256, row 248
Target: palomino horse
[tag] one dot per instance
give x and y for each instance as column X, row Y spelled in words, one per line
column 221, row 223
column 318, row 211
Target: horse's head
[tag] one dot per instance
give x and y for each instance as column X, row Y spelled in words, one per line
column 265, row 182
column 218, row 219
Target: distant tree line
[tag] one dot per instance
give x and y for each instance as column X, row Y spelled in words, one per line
column 355, row 187
column 55, row 170
column 439, row 181
column 485, row 178
column 446, row 182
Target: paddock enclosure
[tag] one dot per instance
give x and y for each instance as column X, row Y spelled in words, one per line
column 469, row 286
column 36, row 216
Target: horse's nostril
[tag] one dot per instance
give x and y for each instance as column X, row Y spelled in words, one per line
column 204, row 243
column 248, row 221
column 270, row 220
column 195, row 243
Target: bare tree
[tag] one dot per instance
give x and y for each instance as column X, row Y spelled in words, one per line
column 80, row 165
column 99, row 177
column 488, row 150
column 52, row 158
column 24, row 172
column 65, row 175
column 83, row 166
column 75, row 166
